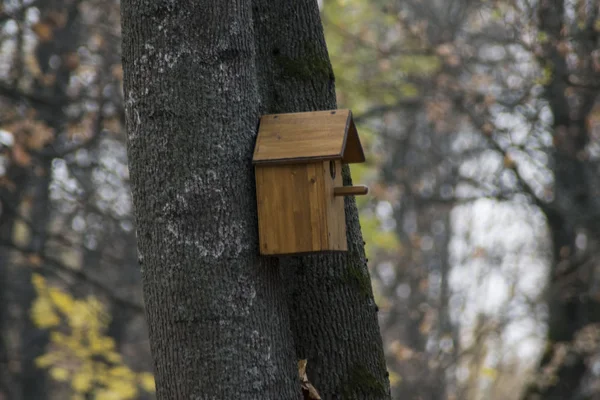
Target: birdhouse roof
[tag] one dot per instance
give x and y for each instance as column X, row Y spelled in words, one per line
column 307, row 136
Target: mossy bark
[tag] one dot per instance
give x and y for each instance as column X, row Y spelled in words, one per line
column 333, row 314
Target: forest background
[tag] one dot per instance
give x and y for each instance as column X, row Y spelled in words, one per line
column 481, row 125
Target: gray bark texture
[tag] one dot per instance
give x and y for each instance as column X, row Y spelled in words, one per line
column 216, row 311
column 198, row 75
column 332, row 310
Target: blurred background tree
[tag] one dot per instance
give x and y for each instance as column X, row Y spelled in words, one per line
column 483, row 115
column 71, row 315
column 482, row 126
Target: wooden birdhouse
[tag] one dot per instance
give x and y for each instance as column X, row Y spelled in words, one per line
column 298, row 164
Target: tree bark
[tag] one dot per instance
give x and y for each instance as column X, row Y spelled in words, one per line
column 333, row 314
column 218, row 323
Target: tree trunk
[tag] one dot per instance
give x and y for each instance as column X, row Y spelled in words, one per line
column 33, row 339
column 333, row 314
column 572, row 303
column 218, row 323
column 8, row 200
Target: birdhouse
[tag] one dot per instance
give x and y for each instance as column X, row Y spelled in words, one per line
column 300, row 195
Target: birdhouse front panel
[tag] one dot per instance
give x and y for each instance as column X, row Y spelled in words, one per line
column 298, row 162
column 336, row 217
column 297, row 209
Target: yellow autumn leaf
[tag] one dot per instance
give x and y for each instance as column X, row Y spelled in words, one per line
column 79, row 315
column 38, row 282
column 146, row 380
column 78, row 333
column 108, row 377
column 43, row 314
column 100, row 345
column 127, row 389
column 58, row 338
column 99, row 318
column 71, row 343
column 122, row 371
column 82, row 381
column 108, row 394
column 75, row 347
column 113, row 357
column 59, row 374
column 63, row 301
column 101, row 374
column 95, row 304
column 82, row 352
column 395, row 379
column 47, row 360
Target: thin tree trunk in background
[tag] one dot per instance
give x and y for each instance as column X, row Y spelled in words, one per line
column 9, row 198
column 571, row 305
column 448, row 329
column 217, row 317
column 333, row 314
column 35, row 204
column 33, row 340
column 28, row 200
column 6, row 385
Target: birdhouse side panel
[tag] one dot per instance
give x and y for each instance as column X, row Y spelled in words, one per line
column 336, row 215
column 290, row 218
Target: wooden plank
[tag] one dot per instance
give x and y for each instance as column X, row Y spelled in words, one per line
column 336, row 215
column 302, row 136
column 350, row 190
column 301, row 229
column 318, row 208
column 290, row 221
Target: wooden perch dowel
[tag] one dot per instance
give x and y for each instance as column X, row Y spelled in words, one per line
column 350, row 191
